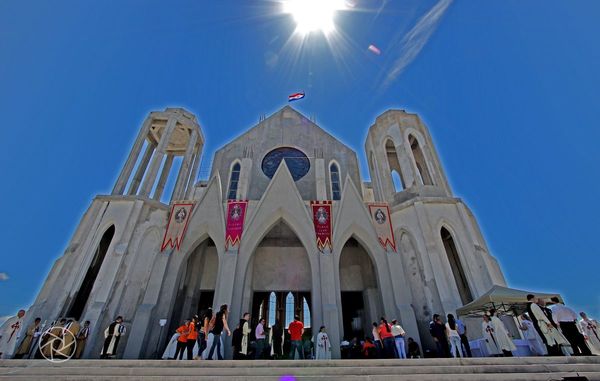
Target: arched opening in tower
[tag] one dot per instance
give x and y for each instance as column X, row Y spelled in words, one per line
column 457, row 269
column 82, row 296
column 394, row 165
column 420, row 161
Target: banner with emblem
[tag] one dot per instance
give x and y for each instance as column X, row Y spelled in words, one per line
column 177, row 225
column 236, row 212
column 380, row 215
column 321, row 212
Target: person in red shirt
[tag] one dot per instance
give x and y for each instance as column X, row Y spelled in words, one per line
column 296, row 329
column 183, row 331
column 191, row 338
column 389, row 345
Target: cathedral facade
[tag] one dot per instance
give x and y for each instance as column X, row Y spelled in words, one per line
column 114, row 264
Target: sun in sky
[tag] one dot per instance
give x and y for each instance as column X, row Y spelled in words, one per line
column 313, row 15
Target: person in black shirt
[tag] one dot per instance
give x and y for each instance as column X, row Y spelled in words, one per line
column 438, row 331
column 219, row 324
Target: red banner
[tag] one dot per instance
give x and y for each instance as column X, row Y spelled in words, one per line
column 236, row 212
column 177, row 225
column 380, row 215
column 321, row 212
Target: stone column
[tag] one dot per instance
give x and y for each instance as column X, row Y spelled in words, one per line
column 184, row 171
column 139, row 173
column 157, row 158
column 330, row 314
column 163, row 178
column 194, row 173
column 320, row 181
column 245, row 176
column 133, row 156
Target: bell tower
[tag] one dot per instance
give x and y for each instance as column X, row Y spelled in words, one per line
column 164, row 136
column 402, row 160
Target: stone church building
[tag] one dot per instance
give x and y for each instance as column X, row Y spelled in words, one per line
column 114, row 265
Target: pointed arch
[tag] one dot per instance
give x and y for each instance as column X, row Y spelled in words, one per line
column 234, row 178
column 85, row 289
column 394, row 166
column 306, row 313
column 272, row 308
column 289, row 309
column 455, row 264
column 420, row 161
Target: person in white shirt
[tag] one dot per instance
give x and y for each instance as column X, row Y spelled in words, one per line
column 259, row 333
column 566, row 319
column 589, row 327
column 453, row 337
column 377, row 339
column 398, row 333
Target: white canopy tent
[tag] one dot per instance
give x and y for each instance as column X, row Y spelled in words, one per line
column 508, row 300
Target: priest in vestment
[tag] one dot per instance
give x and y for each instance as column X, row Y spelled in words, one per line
column 52, row 338
column 550, row 335
column 589, row 328
column 489, row 335
column 323, row 350
column 535, row 342
column 82, row 337
column 69, row 342
column 112, row 334
column 245, row 327
column 9, row 334
column 30, row 334
column 503, row 339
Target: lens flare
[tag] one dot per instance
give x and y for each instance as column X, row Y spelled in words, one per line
column 313, row 15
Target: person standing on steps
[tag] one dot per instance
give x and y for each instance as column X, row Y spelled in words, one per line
column 296, row 330
column 220, row 325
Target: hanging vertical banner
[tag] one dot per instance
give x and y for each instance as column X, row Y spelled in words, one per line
column 177, row 225
column 236, row 212
column 380, row 214
column 321, row 212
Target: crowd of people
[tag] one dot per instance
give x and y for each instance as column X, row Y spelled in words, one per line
column 64, row 338
column 203, row 337
column 553, row 330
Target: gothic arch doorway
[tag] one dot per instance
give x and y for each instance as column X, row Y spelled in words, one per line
column 360, row 294
column 196, row 285
column 279, row 280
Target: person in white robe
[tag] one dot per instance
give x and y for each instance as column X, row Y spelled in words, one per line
column 554, row 339
column 504, row 340
column 112, row 335
column 323, row 345
column 489, row 336
column 589, row 328
column 10, row 333
column 535, row 342
column 245, row 334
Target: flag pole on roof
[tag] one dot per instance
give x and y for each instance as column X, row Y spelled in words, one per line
column 295, row 96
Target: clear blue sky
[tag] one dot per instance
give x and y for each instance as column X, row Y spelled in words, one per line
column 509, row 89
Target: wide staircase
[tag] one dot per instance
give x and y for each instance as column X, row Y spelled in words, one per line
column 516, row 368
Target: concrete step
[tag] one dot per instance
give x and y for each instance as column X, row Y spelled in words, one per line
column 528, row 368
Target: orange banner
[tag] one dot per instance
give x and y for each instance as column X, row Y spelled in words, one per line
column 177, row 225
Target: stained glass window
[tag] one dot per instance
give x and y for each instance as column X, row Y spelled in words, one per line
column 296, row 161
column 336, row 190
column 233, row 182
column 289, row 309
